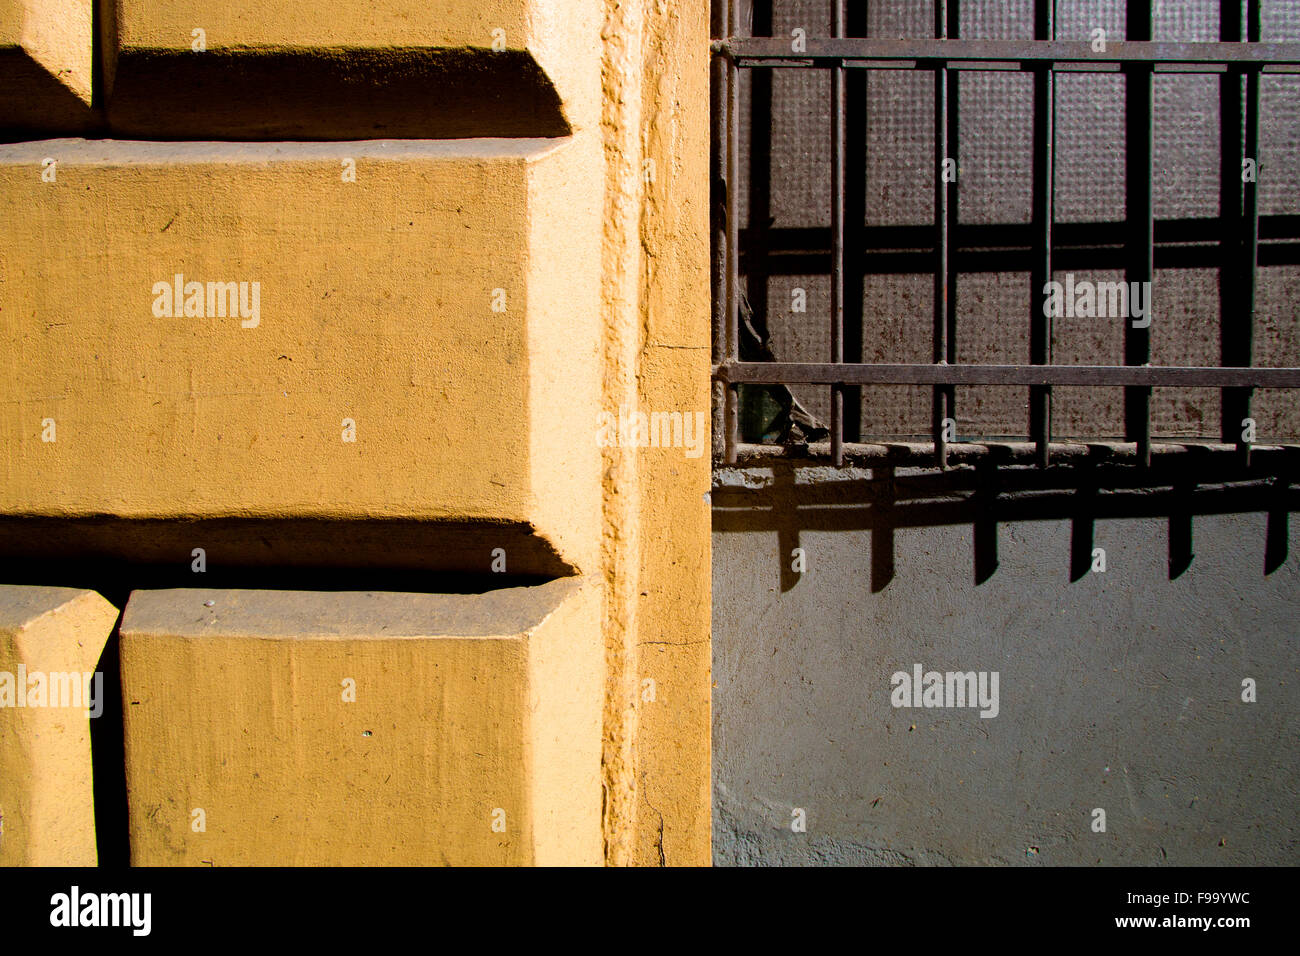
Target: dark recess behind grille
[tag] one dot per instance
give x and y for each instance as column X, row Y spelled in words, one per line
column 784, row 202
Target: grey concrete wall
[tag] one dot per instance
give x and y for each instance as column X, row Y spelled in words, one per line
column 1119, row 690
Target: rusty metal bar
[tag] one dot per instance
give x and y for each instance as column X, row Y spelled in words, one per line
column 1092, row 453
column 855, row 218
column 941, row 402
column 732, row 413
column 1040, row 324
column 1012, row 66
column 775, row 51
column 1248, row 256
column 954, row 201
column 1134, row 376
column 1231, row 406
column 1007, row 247
column 718, row 71
column 1139, row 85
column 837, row 240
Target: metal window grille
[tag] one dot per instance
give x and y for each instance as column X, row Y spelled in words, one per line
column 1138, row 59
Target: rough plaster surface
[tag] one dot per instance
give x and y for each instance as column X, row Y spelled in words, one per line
column 354, row 68
column 45, row 63
column 1120, row 691
column 201, row 612
column 47, row 815
column 397, row 334
column 446, row 723
column 654, row 291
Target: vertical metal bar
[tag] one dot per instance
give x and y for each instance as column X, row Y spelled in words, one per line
column 1249, row 228
column 941, row 403
column 837, row 240
column 1040, row 324
column 954, row 203
column 732, row 424
column 1232, row 409
column 855, row 218
column 756, row 19
column 718, row 213
column 1139, row 148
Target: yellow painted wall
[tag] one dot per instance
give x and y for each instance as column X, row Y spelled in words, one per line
column 656, row 300
column 167, row 61
column 47, row 815
column 376, row 305
column 46, row 63
column 360, row 729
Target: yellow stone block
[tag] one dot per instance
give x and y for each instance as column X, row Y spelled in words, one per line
column 50, row 643
column 363, row 728
column 363, row 330
column 46, row 56
column 350, row 69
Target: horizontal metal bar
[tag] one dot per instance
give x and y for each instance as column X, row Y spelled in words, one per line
column 995, row 55
column 1008, row 66
column 812, row 373
column 1012, row 66
column 1023, row 452
column 1025, row 52
column 1181, row 231
column 970, row 260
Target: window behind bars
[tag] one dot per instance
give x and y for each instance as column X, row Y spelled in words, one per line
column 947, row 225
